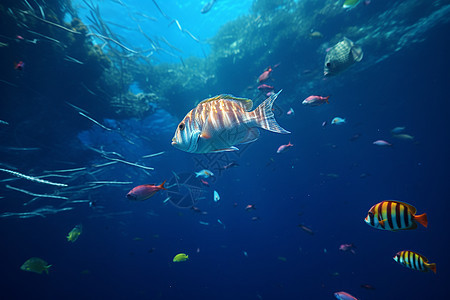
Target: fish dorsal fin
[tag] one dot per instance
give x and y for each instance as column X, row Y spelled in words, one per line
column 246, row 103
column 411, row 208
column 348, row 41
column 425, row 260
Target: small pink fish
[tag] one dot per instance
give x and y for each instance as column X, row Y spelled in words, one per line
column 382, row 143
column 145, row 191
column 19, row 66
column 315, row 100
column 264, row 87
column 204, row 182
column 250, row 206
column 265, row 75
column 306, row 229
column 344, row 296
column 290, row 112
column 347, row 247
column 19, row 37
column 283, row 148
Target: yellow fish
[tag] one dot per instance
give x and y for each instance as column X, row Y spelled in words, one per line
column 36, row 265
column 180, row 257
column 74, row 233
column 219, row 123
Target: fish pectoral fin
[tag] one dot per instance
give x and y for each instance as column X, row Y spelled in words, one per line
column 232, row 148
column 205, row 135
column 252, row 135
column 382, row 222
column 357, row 53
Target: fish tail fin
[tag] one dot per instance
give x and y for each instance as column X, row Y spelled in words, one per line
column 47, row 267
column 432, row 267
column 161, row 186
column 290, row 144
column 422, row 219
column 326, row 99
column 265, row 118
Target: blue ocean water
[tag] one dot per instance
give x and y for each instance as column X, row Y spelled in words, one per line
column 327, row 181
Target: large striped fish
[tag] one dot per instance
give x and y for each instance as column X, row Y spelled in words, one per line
column 414, row 261
column 394, row 215
column 219, row 123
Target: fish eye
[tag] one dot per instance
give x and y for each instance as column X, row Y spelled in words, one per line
column 328, row 64
column 181, row 126
column 370, row 214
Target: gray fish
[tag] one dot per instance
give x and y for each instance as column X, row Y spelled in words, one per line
column 341, row 56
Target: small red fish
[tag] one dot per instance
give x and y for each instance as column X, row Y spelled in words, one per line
column 283, row 148
column 19, row 66
column 315, row 100
column 265, row 75
column 145, row 191
column 205, row 182
column 367, row 286
column 264, row 87
column 19, row 37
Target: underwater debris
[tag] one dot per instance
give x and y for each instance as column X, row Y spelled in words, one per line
column 36, row 195
column 91, row 119
column 31, row 178
column 41, row 212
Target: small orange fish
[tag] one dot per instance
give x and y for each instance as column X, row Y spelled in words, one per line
column 145, row 191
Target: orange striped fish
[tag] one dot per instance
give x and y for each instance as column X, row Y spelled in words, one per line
column 414, row 261
column 218, row 124
column 394, row 215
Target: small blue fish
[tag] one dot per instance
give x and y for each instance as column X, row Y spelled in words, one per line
column 216, row 196
column 338, row 121
column 204, row 173
column 398, row 130
column 220, row 222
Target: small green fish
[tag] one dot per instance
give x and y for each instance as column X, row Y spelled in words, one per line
column 74, row 233
column 36, row 265
column 180, row 257
column 349, row 4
